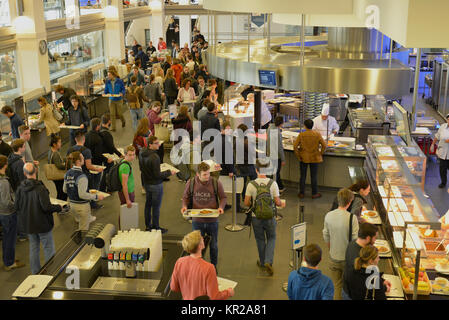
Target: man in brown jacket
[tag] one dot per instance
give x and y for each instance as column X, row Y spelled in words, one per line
column 307, row 150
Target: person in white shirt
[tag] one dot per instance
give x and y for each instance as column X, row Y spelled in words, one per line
column 324, row 123
column 265, row 116
column 340, row 228
column 442, row 152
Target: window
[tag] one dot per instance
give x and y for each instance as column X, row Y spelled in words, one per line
column 75, row 53
column 58, row 9
column 8, row 77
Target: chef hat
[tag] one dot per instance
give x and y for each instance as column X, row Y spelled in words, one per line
column 325, row 110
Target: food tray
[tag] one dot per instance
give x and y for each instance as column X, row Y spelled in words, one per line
column 104, row 194
column 383, row 243
column 69, row 127
column 166, row 166
column 444, row 291
column 374, row 220
column 57, row 201
column 196, row 213
column 409, row 289
column 114, row 157
column 396, row 286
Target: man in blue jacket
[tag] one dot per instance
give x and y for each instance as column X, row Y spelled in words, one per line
column 116, row 87
column 308, row 283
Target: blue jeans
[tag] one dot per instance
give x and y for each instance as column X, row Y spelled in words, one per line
column 47, row 244
column 72, row 134
column 265, row 234
column 313, row 177
column 211, row 229
column 9, row 224
column 153, row 193
column 94, row 183
column 136, row 115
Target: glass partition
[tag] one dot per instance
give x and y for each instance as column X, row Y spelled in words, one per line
column 134, row 3
column 77, row 52
column 5, row 18
column 58, row 9
column 8, row 75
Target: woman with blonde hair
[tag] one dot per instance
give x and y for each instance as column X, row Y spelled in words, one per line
column 366, row 273
column 46, row 116
column 193, row 276
column 170, row 87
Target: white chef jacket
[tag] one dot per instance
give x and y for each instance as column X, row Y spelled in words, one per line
column 443, row 146
column 265, row 114
column 320, row 125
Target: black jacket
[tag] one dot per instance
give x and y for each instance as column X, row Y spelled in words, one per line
column 95, row 143
column 15, row 164
column 227, row 151
column 78, row 117
column 170, row 87
column 65, row 98
column 150, row 167
column 5, row 149
column 33, row 207
column 108, row 142
column 356, row 286
column 209, row 121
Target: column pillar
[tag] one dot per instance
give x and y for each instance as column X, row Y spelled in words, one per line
column 32, row 66
column 114, row 33
column 157, row 25
column 185, row 27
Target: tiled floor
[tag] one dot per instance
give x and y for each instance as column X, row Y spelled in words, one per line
column 237, row 251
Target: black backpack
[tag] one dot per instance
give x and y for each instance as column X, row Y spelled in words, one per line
column 113, row 177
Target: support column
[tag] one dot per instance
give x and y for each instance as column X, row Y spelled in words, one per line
column 157, row 26
column 32, row 66
column 114, row 33
column 185, row 27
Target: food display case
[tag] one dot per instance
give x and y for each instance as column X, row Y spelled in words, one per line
column 396, row 172
column 111, row 264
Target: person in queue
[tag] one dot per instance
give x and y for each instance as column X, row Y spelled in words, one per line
column 115, row 86
column 16, row 163
column 277, row 127
column 186, row 92
column 264, row 217
column 204, row 192
column 309, row 283
column 309, row 148
column 135, row 97
column 265, row 114
column 324, row 123
column 442, row 152
column 35, row 216
column 76, row 185
column 359, row 277
column 367, row 236
column 193, row 276
column 66, row 96
column 140, row 79
column 25, row 135
column 8, row 220
column 185, row 74
column 46, row 116
column 183, row 121
column 5, row 149
column 177, row 70
column 201, row 86
column 170, row 87
column 200, row 107
column 155, row 116
column 340, row 228
column 87, row 166
column 126, row 176
column 140, row 140
column 15, row 121
column 54, row 157
column 77, row 116
column 153, row 91
column 152, row 178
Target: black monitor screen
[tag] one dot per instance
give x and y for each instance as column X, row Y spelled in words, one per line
column 267, row 78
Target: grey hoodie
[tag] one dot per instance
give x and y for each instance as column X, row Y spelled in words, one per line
column 6, row 196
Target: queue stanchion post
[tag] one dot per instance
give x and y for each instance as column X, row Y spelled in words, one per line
column 234, row 227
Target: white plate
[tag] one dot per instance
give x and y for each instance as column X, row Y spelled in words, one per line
column 369, row 217
column 32, row 286
column 383, row 243
column 194, row 213
column 440, row 270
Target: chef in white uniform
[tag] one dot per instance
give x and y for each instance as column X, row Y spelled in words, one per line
column 265, row 116
column 325, row 122
column 442, row 136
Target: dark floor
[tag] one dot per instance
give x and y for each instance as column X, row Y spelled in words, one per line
column 237, row 252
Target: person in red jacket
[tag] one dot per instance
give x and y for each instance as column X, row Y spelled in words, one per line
column 177, row 69
column 193, row 276
column 161, row 44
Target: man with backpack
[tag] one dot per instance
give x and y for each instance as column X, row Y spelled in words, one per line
column 126, row 177
column 204, row 192
column 340, row 228
column 135, row 97
column 16, row 163
column 262, row 195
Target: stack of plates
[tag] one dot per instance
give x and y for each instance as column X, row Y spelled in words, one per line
column 314, row 103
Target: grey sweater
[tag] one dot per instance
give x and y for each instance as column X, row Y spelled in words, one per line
column 6, row 196
column 82, row 187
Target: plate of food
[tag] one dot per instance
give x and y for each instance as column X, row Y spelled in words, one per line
column 440, row 286
column 382, row 246
column 442, row 266
column 370, row 214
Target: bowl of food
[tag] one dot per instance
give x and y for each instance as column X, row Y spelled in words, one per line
column 370, row 214
column 443, row 282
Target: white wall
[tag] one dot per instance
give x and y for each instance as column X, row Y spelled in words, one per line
column 137, row 31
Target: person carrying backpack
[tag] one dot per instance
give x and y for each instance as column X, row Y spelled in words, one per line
column 202, row 192
column 262, row 195
column 135, row 97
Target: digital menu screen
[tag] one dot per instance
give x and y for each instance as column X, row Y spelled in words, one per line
column 267, row 78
